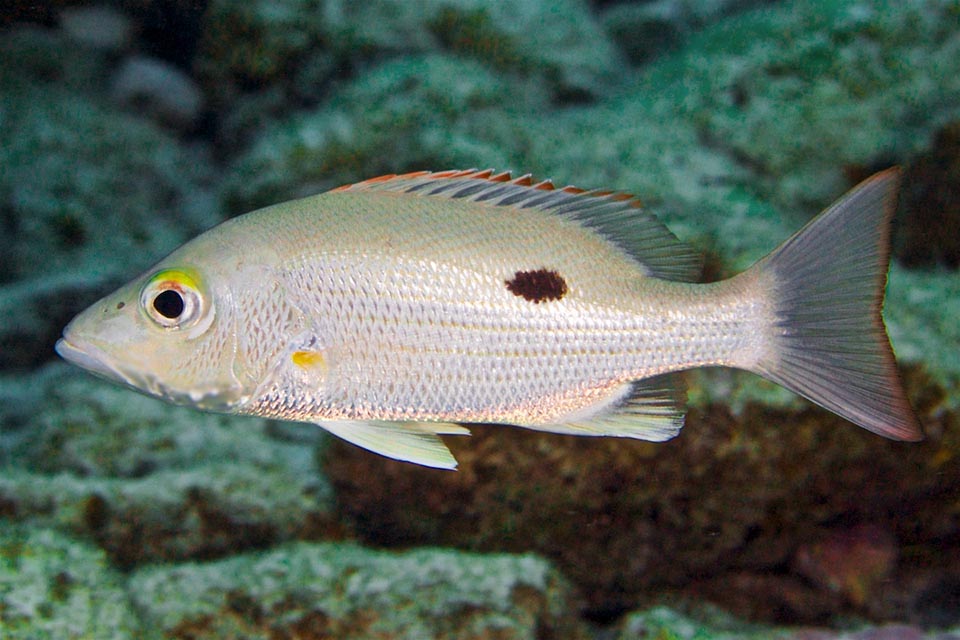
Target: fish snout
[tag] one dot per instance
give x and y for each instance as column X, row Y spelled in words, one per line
column 87, row 356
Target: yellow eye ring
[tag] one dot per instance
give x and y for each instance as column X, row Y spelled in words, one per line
column 172, row 298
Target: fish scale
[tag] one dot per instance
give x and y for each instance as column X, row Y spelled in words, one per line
column 389, row 310
column 436, row 328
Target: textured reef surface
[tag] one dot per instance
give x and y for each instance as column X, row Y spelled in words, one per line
column 127, row 128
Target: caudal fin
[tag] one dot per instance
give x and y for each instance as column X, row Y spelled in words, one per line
column 828, row 342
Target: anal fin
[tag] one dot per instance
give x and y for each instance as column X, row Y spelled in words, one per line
column 416, row 442
column 650, row 409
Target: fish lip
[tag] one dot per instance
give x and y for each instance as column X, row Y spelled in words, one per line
column 87, row 356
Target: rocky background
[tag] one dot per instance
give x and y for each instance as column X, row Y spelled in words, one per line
column 128, row 127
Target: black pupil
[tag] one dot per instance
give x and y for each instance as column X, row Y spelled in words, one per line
column 169, row 304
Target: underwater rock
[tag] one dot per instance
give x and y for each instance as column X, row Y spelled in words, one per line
column 82, row 179
column 920, row 310
column 624, row 519
column 938, row 599
column 344, row 591
column 665, row 622
column 149, row 481
column 885, row 632
column 405, row 114
column 90, row 194
column 768, row 593
column 35, row 55
column 100, row 27
column 797, row 90
column 262, row 64
column 851, row 562
column 250, row 46
column 697, row 622
column 930, row 210
column 52, row 587
column 645, row 30
column 36, row 311
column 775, row 103
column 158, row 90
column 208, row 512
column 556, row 42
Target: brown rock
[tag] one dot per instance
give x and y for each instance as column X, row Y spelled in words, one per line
column 626, row 519
column 852, row 562
column 930, row 212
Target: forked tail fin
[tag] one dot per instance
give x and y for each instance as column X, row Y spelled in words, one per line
column 828, row 341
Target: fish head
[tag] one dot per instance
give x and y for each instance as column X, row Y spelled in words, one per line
column 160, row 334
column 200, row 328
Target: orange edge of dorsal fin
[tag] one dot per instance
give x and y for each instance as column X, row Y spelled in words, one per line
column 616, row 215
column 488, row 175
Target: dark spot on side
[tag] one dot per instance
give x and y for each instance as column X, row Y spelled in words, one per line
column 538, row 285
column 121, row 305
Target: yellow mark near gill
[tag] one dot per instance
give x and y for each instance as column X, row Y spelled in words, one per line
column 307, row 359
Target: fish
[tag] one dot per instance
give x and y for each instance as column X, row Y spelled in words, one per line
column 399, row 309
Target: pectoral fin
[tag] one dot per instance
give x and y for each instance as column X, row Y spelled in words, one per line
column 416, row 442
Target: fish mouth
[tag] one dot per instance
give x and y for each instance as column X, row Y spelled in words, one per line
column 92, row 359
column 89, row 357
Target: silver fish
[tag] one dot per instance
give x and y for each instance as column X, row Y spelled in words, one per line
column 396, row 309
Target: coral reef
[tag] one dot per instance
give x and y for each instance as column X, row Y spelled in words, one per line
column 89, row 192
column 430, row 111
column 149, row 481
column 931, row 215
column 627, row 518
column 341, row 591
column 52, row 587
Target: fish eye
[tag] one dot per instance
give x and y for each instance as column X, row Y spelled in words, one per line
column 172, row 299
column 169, row 304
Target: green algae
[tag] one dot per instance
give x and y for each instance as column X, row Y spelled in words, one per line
column 90, row 193
column 52, row 587
column 79, row 176
column 921, row 314
column 664, row 623
column 794, row 92
column 405, row 114
column 149, row 481
column 558, row 42
column 344, row 591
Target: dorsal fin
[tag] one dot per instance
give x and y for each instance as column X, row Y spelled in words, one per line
column 619, row 217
